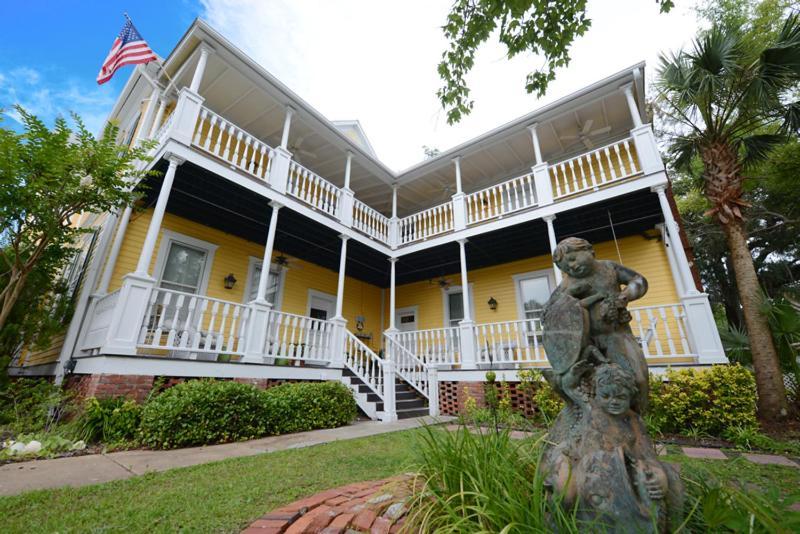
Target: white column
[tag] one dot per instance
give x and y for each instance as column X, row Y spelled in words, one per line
column 162, row 104
column 433, row 391
column 537, row 150
column 459, row 200
column 392, row 295
column 671, row 225
column 394, row 201
column 457, row 163
column 340, row 286
column 116, row 245
column 389, row 402
column 287, row 124
column 144, row 128
column 347, row 199
column 394, row 222
column 200, row 69
column 669, row 248
column 634, row 109
column 551, row 235
column 466, row 328
column 146, row 255
column 263, row 279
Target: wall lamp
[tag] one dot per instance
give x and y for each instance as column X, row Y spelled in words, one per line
column 492, row 304
column 230, row 281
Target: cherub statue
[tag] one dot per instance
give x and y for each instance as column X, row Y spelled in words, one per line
column 586, row 320
column 619, row 478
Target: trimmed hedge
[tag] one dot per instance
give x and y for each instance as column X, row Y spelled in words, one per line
column 308, row 406
column 708, row 401
column 203, row 412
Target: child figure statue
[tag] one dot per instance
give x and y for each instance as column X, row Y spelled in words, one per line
column 590, row 296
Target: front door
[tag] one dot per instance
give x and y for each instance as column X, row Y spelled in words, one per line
column 321, row 305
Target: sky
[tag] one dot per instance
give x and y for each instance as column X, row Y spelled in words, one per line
column 371, row 60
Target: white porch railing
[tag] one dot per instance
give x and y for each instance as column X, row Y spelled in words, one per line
column 428, row 223
column 509, row 342
column 100, row 321
column 370, row 221
column 661, row 330
column 364, row 363
column 177, row 321
column 296, row 337
column 312, row 189
column 435, row 346
column 223, row 139
column 593, row 169
column 506, row 197
column 408, row 366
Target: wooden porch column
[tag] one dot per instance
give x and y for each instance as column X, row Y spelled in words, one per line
column 634, row 109
column 287, row 124
column 116, row 245
column 671, row 226
column 146, row 255
column 392, row 295
column 551, row 234
column 464, row 282
column 162, row 105
column 537, row 150
column 200, row 69
column 340, row 287
column 263, row 279
column 466, row 328
column 459, row 200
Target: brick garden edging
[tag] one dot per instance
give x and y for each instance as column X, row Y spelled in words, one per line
column 377, row 507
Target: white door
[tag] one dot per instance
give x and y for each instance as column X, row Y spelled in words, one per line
column 406, row 319
column 321, row 305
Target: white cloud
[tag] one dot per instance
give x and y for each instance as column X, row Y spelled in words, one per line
column 376, row 62
column 50, row 96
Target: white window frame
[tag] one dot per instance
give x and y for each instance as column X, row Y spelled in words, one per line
column 130, row 131
column 168, row 237
column 526, row 276
column 446, row 303
column 319, row 294
column 252, row 261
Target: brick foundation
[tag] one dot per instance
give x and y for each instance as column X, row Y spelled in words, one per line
column 138, row 387
column 453, row 397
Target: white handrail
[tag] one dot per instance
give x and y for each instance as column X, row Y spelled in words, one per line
column 313, row 189
column 661, row 330
column 370, row 221
column 408, row 366
column 593, row 169
column 297, row 337
column 179, row 321
column 364, row 363
column 98, row 325
column 428, row 223
column 434, row 346
column 225, row 140
column 506, row 197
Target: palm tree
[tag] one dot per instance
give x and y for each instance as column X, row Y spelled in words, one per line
column 728, row 102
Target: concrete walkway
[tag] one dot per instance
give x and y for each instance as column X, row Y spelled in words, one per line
column 96, row 468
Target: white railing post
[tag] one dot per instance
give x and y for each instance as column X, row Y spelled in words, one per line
column 279, row 169
column 187, row 110
column 346, row 202
column 703, row 335
column 257, row 330
column 459, row 211
column 389, row 403
column 433, row 391
column 128, row 315
column 647, row 149
column 544, row 188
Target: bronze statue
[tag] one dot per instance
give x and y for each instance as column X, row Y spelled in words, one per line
column 599, row 455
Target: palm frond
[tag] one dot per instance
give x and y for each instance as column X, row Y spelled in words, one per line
column 791, row 118
column 756, row 148
column 682, row 152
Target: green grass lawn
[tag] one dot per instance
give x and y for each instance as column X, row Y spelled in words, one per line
column 226, row 496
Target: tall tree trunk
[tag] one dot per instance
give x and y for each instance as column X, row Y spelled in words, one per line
column 772, row 402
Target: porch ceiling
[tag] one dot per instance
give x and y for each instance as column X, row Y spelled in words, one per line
column 203, row 197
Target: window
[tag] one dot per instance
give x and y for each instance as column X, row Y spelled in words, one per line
column 273, row 293
column 454, row 305
column 533, row 291
column 184, row 268
column 128, row 135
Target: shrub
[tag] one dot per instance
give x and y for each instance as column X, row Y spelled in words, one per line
column 111, row 420
column 29, row 405
column 546, row 402
column 202, row 412
column 709, row 401
column 308, row 406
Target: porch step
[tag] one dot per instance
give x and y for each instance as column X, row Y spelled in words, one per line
column 408, row 402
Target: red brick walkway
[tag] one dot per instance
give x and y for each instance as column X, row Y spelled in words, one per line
column 377, row 507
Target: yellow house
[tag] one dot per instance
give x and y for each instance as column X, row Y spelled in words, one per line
column 402, row 285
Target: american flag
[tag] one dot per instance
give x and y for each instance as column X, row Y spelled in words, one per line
column 129, row 48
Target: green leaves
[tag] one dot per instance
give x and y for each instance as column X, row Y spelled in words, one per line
column 546, row 28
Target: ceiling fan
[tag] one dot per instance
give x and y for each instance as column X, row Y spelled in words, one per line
column 585, row 134
column 289, row 262
column 442, row 282
column 297, row 150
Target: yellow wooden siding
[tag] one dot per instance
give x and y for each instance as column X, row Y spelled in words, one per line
column 232, row 255
column 42, row 356
column 647, row 257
